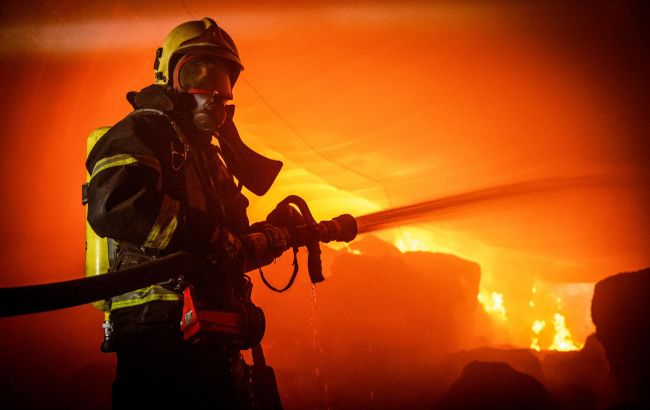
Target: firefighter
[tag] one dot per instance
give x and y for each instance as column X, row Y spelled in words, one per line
column 161, row 180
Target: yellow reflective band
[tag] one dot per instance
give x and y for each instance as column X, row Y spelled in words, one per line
column 165, row 225
column 135, row 302
column 102, row 305
column 124, row 160
column 137, row 297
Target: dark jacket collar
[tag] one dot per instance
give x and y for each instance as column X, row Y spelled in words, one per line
column 152, row 96
column 158, row 98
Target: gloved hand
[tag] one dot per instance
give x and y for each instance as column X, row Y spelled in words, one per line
column 286, row 216
column 277, row 238
column 224, row 258
column 225, row 247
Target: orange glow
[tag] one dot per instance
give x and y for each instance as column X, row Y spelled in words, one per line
column 408, row 241
column 370, row 106
column 538, row 326
column 351, row 249
column 493, row 304
column 562, row 340
column 559, row 337
column 540, row 308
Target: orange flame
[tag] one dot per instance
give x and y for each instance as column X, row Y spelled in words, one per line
column 546, row 314
column 493, row 305
column 537, row 327
column 409, row 242
column 562, row 340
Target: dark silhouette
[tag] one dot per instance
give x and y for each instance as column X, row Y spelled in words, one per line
column 620, row 310
column 490, row 385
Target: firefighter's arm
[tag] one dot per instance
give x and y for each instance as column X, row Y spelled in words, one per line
column 125, row 201
column 125, row 196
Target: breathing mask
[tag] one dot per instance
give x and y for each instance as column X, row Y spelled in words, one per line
column 206, row 78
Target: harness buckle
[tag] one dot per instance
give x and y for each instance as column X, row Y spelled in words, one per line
column 178, row 157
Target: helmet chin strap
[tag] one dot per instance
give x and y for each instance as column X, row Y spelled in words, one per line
column 209, row 113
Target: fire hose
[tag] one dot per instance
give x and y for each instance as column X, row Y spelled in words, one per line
column 59, row 295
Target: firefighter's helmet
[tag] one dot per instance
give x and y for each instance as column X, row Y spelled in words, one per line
column 197, row 36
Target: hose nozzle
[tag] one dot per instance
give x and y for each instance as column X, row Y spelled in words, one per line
column 342, row 228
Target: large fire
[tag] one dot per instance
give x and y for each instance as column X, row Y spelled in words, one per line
column 560, row 339
column 542, row 320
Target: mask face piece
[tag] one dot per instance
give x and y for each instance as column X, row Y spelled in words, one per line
column 203, row 74
column 207, row 79
column 210, row 112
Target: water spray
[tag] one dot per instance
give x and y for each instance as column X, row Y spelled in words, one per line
column 442, row 207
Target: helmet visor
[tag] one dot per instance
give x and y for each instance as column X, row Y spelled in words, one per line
column 204, row 74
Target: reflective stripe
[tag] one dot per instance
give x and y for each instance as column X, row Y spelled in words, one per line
column 102, row 305
column 144, row 295
column 165, row 225
column 124, row 160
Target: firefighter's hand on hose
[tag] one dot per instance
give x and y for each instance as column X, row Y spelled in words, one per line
column 226, row 249
column 277, row 237
column 285, row 216
column 265, row 243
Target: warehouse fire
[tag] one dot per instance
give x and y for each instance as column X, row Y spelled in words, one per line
column 491, row 158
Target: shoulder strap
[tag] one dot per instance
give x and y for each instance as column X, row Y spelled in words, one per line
column 178, row 157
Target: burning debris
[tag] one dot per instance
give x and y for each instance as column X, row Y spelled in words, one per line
column 562, row 340
column 549, row 332
column 493, row 304
column 543, row 316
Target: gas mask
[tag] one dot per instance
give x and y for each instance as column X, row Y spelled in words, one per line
column 209, row 114
column 206, row 78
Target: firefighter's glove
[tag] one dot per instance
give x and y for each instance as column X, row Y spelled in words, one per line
column 225, row 248
column 286, row 216
column 277, row 239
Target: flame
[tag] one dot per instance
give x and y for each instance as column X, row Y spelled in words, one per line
column 562, row 340
column 543, row 313
column 351, row 250
column 493, row 304
column 538, row 326
column 535, row 344
column 410, row 242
